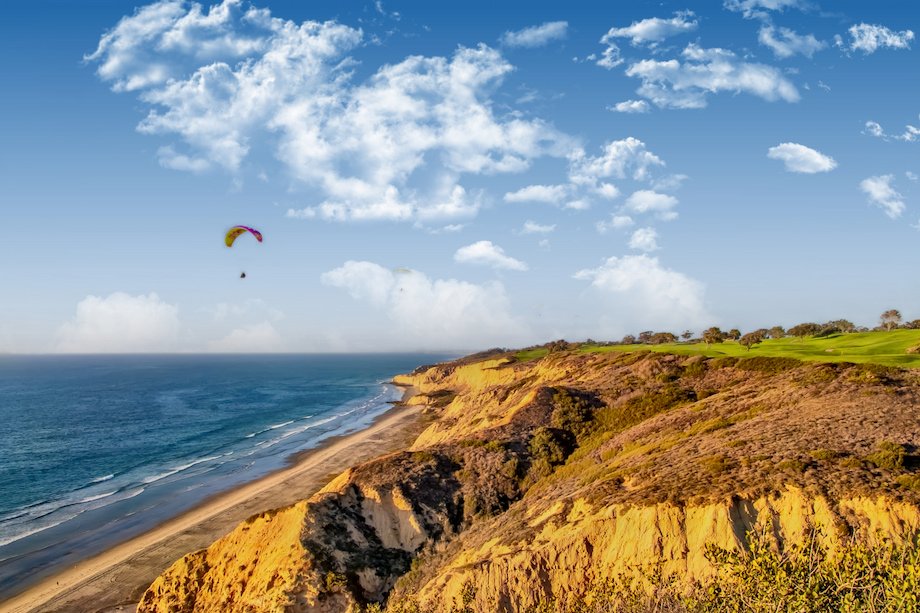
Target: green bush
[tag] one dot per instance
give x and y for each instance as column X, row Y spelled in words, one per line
column 824, row 455
column 572, row 413
column 640, row 408
column 548, row 445
column 889, row 456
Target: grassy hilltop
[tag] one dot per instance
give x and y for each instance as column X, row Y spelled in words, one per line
column 884, row 348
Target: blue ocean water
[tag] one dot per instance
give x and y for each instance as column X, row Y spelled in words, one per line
column 115, row 444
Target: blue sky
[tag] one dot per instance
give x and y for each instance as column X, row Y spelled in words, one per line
column 451, row 175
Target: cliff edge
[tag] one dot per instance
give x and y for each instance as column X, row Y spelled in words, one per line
column 537, row 480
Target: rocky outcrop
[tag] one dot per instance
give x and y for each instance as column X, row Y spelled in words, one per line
column 535, row 479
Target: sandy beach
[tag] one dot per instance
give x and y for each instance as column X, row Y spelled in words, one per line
column 115, row 579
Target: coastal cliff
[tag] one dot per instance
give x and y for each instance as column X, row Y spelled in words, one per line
column 537, row 479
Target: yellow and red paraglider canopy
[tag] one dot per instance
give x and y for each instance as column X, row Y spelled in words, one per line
column 235, row 231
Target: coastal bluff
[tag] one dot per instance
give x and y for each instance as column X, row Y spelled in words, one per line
column 536, row 480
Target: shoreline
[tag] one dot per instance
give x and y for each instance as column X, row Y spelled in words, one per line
column 115, row 579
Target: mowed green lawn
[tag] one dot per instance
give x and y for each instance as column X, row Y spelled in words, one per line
column 886, row 348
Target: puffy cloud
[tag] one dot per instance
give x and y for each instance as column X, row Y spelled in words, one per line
column 234, row 78
column 549, row 194
column 536, row 36
column 611, row 56
column 912, row 176
column 911, row 133
column 488, row 254
column 648, row 201
column 869, row 38
column 875, row 129
column 579, row 204
column 685, row 85
column 619, row 159
column 757, row 8
column 532, row 227
column 617, row 222
column 882, row 194
column 644, row 239
column 799, row 158
column 121, row 323
column 256, row 338
column 631, row 106
column 432, row 314
column 642, row 294
column 654, row 29
column 785, row 42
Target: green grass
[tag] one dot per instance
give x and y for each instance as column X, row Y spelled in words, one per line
column 531, row 354
column 885, row 348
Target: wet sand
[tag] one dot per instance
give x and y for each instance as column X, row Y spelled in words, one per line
column 115, row 579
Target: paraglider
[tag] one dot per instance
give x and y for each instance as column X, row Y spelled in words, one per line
column 234, row 232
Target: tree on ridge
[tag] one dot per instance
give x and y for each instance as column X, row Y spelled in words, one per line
column 890, row 319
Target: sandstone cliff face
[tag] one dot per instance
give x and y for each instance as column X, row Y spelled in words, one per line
column 572, row 546
column 674, row 453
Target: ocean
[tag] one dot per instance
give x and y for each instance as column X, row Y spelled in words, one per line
column 97, row 449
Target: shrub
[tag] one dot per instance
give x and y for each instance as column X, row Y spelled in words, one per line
column 422, row 457
column 910, row 482
column 640, row 408
column 888, row 455
column 794, row 466
column 548, row 444
column 715, row 464
column 824, row 454
column 572, row 413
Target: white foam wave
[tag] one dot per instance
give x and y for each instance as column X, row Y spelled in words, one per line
column 97, row 497
column 177, row 469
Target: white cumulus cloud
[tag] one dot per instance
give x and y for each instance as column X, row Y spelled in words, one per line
column 619, row 159
column 911, row 133
column 686, row 84
column 654, row 29
column 549, row 194
column 757, row 8
column 488, row 254
column 611, row 57
column 644, row 239
column 881, row 193
column 785, row 42
column 393, row 146
column 869, row 38
column 617, row 222
column 802, row 159
column 121, row 323
column 532, row 227
column 631, row 106
column 536, row 36
column 641, row 294
column 432, row 314
column 649, row 201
